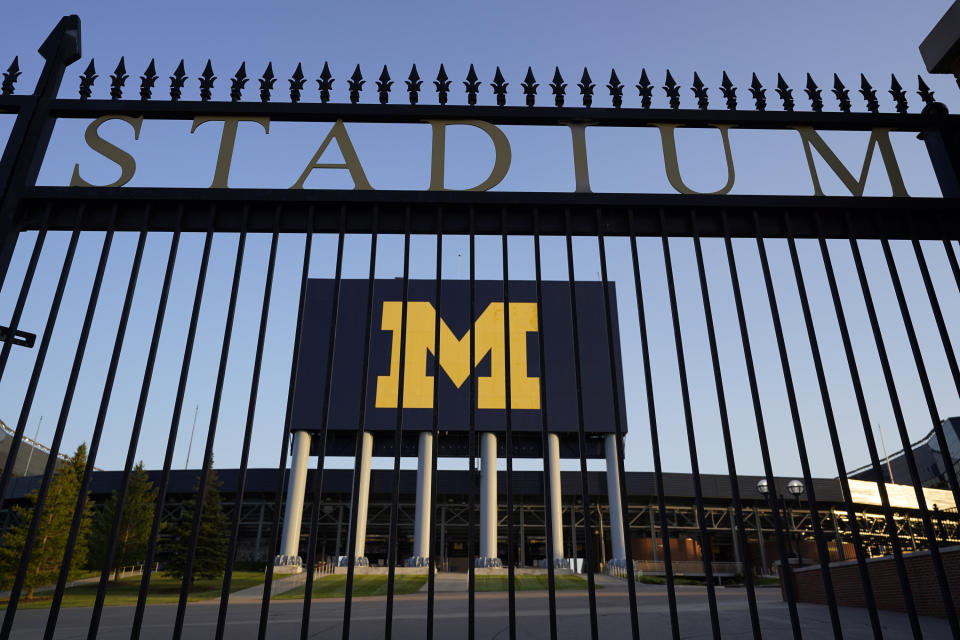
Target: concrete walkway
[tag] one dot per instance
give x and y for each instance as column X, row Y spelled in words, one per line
column 280, row 585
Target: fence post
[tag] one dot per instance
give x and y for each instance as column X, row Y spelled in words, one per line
column 30, row 136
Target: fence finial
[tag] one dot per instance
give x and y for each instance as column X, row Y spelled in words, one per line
column 729, row 92
column 785, row 93
column 177, row 81
column 499, row 88
column 700, row 92
column 898, row 93
column 87, row 79
column 325, row 84
column 530, row 85
column 869, row 94
column 645, row 89
column 267, row 80
column 147, row 80
column 238, row 82
column 842, row 93
column 586, row 88
column 206, row 82
column 558, row 86
column 672, row 89
column 759, row 93
column 355, row 85
column 813, row 92
column 413, row 84
column 383, row 85
column 616, row 89
column 117, row 80
column 296, row 83
column 10, row 77
column 472, row 85
column 442, row 83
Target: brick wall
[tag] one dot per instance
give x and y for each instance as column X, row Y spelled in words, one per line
column 885, row 582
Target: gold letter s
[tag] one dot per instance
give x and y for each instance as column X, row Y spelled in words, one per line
column 128, row 166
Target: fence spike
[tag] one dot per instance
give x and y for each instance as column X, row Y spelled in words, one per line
column 700, row 92
column 785, row 93
column 267, row 80
column 86, row 80
column 672, row 89
column 325, row 84
column 442, row 83
column 558, row 86
column 586, row 88
column 383, row 85
column 147, row 80
column 530, row 85
column 616, row 89
column 206, row 82
column 869, row 94
column 238, row 82
column 729, row 91
column 759, row 93
column 355, row 85
column 296, row 83
column 899, row 94
column 813, row 92
column 117, row 80
column 842, row 93
column 10, row 77
column 499, row 88
column 645, row 89
column 472, row 85
column 177, row 80
column 413, row 82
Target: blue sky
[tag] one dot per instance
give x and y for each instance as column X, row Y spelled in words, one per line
column 875, row 38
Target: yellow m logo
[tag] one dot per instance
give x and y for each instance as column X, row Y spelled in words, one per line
column 454, row 358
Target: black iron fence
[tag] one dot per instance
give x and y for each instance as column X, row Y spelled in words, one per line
column 818, row 225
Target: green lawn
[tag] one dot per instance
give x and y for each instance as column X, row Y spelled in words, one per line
column 529, row 583
column 163, row 589
column 335, row 586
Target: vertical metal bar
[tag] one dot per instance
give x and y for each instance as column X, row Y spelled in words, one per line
column 739, row 541
column 247, row 433
column 904, row 436
column 78, row 513
column 431, row 587
column 654, row 436
column 866, row 585
column 544, row 437
column 584, row 487
column 705, row 547
column 18, row 312
column 322, row 450
column 782, row 544
column 282, row 465
column 352, row 542
column 50, row 467
column 171, row 438
column 472, row 439
column 798, row 432
column 868, row 434
column 211, row 434
column 511, row 540
column 615, row 393
column 393, row 534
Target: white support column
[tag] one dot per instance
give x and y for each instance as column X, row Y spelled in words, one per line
column 363, row 501
column 556, row 508
column 613, row 498
column 488, row 502
column 421, row 531
column 289, row 561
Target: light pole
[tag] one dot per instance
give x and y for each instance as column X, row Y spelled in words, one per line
column 796, row 488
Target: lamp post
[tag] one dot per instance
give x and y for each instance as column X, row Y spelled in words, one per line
column 796, row 488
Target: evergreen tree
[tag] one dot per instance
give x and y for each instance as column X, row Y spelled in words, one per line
column 212, row 542
column 135, row 523
column 52, row 532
